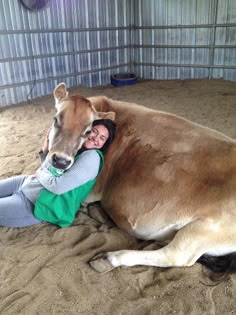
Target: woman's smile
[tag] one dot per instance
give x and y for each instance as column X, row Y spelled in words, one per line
column 97, row 138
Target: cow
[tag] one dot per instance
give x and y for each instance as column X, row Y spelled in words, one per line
column 165, row 179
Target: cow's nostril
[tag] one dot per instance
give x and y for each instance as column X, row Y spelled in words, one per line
column 54, row 158
column 60, row 162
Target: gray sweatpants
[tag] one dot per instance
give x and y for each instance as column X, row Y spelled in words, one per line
column 15, row 209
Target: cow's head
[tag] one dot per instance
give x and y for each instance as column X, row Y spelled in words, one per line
column 72, row 125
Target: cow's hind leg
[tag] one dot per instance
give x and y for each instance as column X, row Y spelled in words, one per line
column 188, row 245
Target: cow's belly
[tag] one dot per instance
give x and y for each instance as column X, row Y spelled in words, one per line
column 150, row 233
column 145, row 220
column 220, row 251
column 154, row 232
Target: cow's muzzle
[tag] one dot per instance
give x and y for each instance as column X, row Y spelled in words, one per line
column 60, row 162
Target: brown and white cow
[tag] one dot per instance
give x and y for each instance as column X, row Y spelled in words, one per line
column 165, row 178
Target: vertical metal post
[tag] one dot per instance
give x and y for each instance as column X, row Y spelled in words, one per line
column 213, row 37
column 73, row 35
column 131, row 36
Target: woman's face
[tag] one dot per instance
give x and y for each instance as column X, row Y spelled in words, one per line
column 97, row 137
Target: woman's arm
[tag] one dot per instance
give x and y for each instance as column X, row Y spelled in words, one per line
column 83, row 170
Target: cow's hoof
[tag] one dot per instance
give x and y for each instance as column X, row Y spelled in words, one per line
column 101, row 264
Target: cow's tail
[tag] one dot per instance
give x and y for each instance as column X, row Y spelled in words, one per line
column 222, row 264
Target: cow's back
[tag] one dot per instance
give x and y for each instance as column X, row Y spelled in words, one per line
column 163, row 164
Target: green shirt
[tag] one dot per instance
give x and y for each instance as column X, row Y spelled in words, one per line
column 61, row 209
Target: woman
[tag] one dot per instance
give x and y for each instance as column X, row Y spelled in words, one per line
column 28, row 200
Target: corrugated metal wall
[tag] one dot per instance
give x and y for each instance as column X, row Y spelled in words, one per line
column 178, row 39
column 75, row 41
column 82, row 42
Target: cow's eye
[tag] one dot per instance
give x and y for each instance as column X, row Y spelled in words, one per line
column 56, row 122
column 87, row 133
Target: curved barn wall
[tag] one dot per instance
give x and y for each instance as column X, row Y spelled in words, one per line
column 83, row 42
column 79, row 42
column 185, row 39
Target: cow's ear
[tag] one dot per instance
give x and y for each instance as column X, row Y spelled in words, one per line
column 60, row 92
column 105, row 115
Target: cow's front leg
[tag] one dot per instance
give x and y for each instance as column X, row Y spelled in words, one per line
column 188, row 245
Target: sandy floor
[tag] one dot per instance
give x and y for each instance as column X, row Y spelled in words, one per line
column 44, row 270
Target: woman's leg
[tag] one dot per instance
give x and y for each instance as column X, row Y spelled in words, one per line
column 17, row 211
column 10, row 186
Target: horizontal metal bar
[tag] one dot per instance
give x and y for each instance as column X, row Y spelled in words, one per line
column 184, row 46
column 98, row 29
column 183, row 26
column 7, row 86
column 183, row 65
column 63, row 54
column 64, row 30
column 109, row 49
